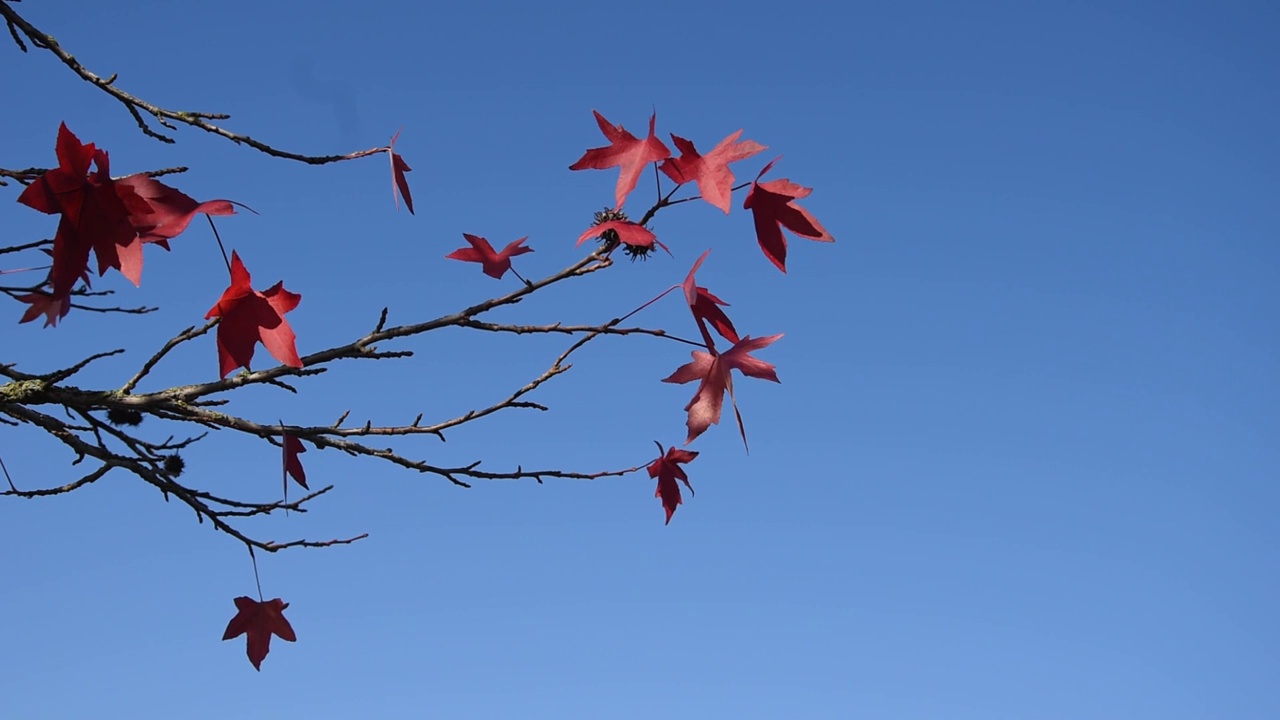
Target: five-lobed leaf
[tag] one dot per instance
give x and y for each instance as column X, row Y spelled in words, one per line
column 712, row 371
column 259, row 621
column 711, row 171
column 667, row 469
column 248, row 317
column 42, row 303
column 624, row 151
column 495, row 264
column 772, row 205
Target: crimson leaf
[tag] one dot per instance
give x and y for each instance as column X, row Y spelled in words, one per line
column 711, row 171
column 248, row 317
column 258, row 621
column 496, row 264
column 625, row 151
column 772, row 205
column 667, row 469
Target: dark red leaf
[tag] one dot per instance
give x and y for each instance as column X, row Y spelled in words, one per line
column 712, row 370
column 706, row 308
column 95, row 214
column 625, row 151
column 667, row 469
column 711, row 171
column 291, row 447
column 398, row 168
column 170, row 210
column 496, row 264
column 248, row 317
column 45, row 304
column 772, row 204
column 259, row 621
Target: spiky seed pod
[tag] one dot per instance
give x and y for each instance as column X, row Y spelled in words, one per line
column 174, row 465
column 608, row 237
column 637, row 252
column 124, row 416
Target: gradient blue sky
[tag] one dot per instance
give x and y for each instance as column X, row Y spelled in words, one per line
column 1023, row 462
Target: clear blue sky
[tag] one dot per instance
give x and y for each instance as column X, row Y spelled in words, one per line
column 1023, row 462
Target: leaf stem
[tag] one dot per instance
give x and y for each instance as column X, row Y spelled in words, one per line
column 256, row 580
column 221, row 247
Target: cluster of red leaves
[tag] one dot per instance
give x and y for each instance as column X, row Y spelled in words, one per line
column 258, row 621
column 712, row 369
column 772, row 203
column 110, row 218
column 114, row 218
column 773, row 207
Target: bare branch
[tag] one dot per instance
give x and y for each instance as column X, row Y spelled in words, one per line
column 165, row 117
column 190, row 333
column 28, row 246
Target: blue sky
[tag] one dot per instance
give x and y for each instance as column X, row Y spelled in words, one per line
column 1023, row 461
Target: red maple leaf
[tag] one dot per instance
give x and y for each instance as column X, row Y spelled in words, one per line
column 95, row 214
column 45, row 304
column 628, row 233
column 170, row 210
column 712, row 371
column 496, row 264
column 667, row 469
column 625, row 151
column 248, row 316
column 706, row 308
column 711, row 171
column 290, row 448
column 773, row 207
column 398, row 168
column 259, row 621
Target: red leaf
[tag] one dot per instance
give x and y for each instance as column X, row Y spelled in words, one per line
column 249, row 316
column 291, row 447
column 705, row 307
column 496, row 264
column 60, row 190
column 170, row 210
column 667, row 469
column 773, row 207
column 44, row 304
column 259, row 621
column 398, row 168
column 95, row 214
column 629, row 233
column 712, row 371
column 710, row 171
column 625, row 151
